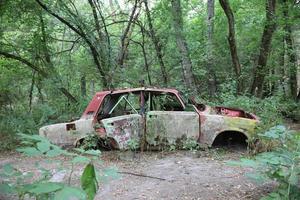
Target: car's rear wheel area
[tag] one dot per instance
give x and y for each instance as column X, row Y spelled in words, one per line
column 231, row 139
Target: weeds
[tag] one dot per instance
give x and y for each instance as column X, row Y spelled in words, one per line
column 282, row 164
column 21, row 184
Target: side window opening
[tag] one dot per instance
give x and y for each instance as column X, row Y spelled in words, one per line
column 119, row 104
column 164, row 102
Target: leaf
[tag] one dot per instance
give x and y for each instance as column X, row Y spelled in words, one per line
column 81, row 159
column 243, row 162
column 30, row 151
column 56, row 151
column 6, row 189
column 112, row 172
column 43, row 146
column 293, row 179
column 44, row 188
column 8, row 169
column 88, row 181
column 68, row 193
column 93, row 152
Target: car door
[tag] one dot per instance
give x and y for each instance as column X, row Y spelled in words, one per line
column 166, row 121
column 122, row 120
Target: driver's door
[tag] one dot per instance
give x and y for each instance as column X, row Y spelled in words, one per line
column 122, row 121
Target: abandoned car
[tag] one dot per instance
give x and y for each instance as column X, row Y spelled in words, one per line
column 154, row 116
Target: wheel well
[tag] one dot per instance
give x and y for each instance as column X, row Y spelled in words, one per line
column 106, row 143
column 230, row 138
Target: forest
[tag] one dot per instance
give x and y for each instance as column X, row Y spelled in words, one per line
column 56, row 54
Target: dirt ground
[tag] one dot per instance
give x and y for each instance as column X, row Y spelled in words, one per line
column 160, row 175
column 168, row 175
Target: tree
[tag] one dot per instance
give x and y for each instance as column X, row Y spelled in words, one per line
column 265, row 46
column 232, row 43
column 212, row 82
column 157, row 44
column 182, row 45
column 291, row 53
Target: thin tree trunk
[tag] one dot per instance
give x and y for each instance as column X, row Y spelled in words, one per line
column 157, row 45
column 261, row 69
column 83, row 85
column 31, row 90
column 182, row 46
column 212, row 83
column 232, row 43
column 145, row 57
column 127, row 34
column 291, row 53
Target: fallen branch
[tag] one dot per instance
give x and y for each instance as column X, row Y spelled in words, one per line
column 143, row 175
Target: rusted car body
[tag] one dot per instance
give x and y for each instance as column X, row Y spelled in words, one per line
column 156, row 116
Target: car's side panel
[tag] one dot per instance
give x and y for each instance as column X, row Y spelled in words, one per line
column 123, row 128
column 66, row 134
column 169, row 126
column 212, row 125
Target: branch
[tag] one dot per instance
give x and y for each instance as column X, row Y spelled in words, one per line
column 39, row 70
column 60, row 18
column 26, row 62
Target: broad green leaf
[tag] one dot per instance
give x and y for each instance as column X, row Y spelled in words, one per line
column 6, row 189
column 93, row 152
column 54, row 152
column 243, row 162
column 81, row 159
column 8, row 169
column 43, row 146
column 44, row 188
column 89, row 181
column 294, row 178
column 70, row 193
column 79, row 150
column 112, row 172
column 29, row 151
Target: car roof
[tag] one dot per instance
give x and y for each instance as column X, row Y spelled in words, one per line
column 127, row 90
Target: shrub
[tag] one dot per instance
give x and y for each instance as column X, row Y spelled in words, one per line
column 16, row 182
column 281, row 165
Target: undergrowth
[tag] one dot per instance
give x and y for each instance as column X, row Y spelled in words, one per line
column 282, row 164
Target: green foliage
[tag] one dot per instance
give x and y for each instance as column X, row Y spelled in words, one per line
column 282, row 164
column 133, row 144
column 89, row 181
column 190, row 144
column 22, row 184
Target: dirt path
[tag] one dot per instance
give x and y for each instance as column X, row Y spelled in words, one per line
column 187, row 176
column 175, row 175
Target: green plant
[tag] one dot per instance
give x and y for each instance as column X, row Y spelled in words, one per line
column 282, row 164
column 133, row 144
column 190, row 144
column 19, row 183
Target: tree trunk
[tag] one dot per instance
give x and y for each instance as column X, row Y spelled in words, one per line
column 212, row 83
column 83, row 85
column 182, row 46
column 291, row 52
column 261, row 69
column 157, row 45
column 232, row 43
column 31, row 90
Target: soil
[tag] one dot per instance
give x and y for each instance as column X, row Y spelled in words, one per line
column 161, row 175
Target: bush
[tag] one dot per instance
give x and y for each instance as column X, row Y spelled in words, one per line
column 281, row 165
column 21, row 184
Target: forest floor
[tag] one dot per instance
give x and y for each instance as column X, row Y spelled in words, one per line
column 171, row 175
column 160, row 175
